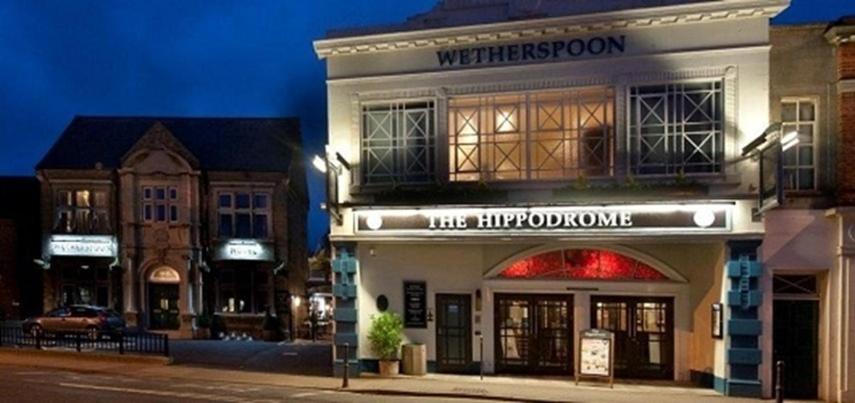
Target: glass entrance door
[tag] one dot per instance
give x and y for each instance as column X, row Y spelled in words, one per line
column 534, row 333
column 644, row 334
column 163, row 306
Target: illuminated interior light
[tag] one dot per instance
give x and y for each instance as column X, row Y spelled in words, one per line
column 320, row 164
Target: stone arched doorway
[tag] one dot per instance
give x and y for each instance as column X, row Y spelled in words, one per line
column 163, row 289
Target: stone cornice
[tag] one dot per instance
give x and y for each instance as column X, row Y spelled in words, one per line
column 846, row 86
column 486, row 33
column 840, row 34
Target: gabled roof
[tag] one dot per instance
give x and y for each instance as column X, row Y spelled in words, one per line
column 219, row 144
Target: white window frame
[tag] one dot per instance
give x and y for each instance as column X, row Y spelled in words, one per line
column 814, row 137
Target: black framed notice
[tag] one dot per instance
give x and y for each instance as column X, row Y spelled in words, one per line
column 415, row 304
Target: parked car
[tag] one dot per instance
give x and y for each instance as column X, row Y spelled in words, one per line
column 94, row 321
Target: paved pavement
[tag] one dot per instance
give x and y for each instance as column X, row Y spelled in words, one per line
column 432, row 387
column 301, row 357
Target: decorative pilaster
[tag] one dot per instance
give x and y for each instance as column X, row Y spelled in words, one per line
column 744, row 326
column 344, row 266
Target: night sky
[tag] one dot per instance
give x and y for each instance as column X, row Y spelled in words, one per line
column 63, row 58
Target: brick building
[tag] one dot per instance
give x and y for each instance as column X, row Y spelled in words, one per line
column 20, row 244
column 165, row 219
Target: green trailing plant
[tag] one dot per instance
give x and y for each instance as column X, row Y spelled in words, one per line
column 385, row 335
column 681, row 178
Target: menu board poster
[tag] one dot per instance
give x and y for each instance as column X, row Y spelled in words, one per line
column 595, row 353
column 415, row 304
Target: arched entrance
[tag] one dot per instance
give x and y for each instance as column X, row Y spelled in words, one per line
column 163, row 291
column 534, row 332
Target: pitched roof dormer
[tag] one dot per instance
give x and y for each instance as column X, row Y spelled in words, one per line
column 158, row 150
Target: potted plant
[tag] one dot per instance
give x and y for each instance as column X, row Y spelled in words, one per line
column 385, row 339
column 203, row 327
column 270, row 327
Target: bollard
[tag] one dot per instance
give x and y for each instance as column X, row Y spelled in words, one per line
column 38, row 340
column 121, row 343
column 166, row 345
column 481, row 353
column 779, row 377
column 77, row 340
column 344, row 378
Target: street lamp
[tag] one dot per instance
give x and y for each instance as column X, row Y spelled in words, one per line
column 295, row 304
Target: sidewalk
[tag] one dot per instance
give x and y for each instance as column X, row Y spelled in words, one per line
column 440, row 386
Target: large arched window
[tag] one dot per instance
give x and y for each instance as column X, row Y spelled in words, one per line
column 582, row 264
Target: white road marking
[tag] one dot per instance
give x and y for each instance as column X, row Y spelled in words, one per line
column 288, row 353
column 185, row 395
column 304, row 394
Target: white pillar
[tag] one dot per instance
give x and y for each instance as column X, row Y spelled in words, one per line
column 841, row 331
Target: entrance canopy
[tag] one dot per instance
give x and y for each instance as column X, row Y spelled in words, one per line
column 582, row 264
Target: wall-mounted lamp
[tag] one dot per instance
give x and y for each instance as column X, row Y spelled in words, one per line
column 331, row 169
column 430, row 315
column 320, row 164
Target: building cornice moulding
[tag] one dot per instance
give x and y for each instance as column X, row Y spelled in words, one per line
column 487, row 33
column 845, row 86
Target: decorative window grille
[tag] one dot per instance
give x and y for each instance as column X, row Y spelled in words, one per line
column 800, row 161
column 82, row 212
column 244, row 215
column 677, row 128
column 582, row 264
column 398, row 143
column 160, row 204
column 537, row 135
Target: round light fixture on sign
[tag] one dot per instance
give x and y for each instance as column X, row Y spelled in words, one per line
column 374, row 222
column 704, row 218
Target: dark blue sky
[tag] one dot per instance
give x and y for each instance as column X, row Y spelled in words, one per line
column 63, row 58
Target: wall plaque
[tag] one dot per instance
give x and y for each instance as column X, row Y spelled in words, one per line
column 415, row 304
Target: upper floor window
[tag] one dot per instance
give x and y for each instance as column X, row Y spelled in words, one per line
column 160, row 204
column 82, row 212
column 799, row 115
column 244, row 215
column 676, row 128
column 536, row 135
column 398, row 143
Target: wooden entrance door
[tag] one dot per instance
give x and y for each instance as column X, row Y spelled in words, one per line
column 644, row 334
column 534, row 333
column 453, row 333
column 163, row 306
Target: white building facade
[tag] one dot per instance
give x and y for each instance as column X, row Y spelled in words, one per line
column 504, row 176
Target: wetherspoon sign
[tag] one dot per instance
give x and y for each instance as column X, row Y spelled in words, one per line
column 82, row 245
column 675, row 218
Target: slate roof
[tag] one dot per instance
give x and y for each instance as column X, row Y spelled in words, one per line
column 220, row 144
column 455, row 13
